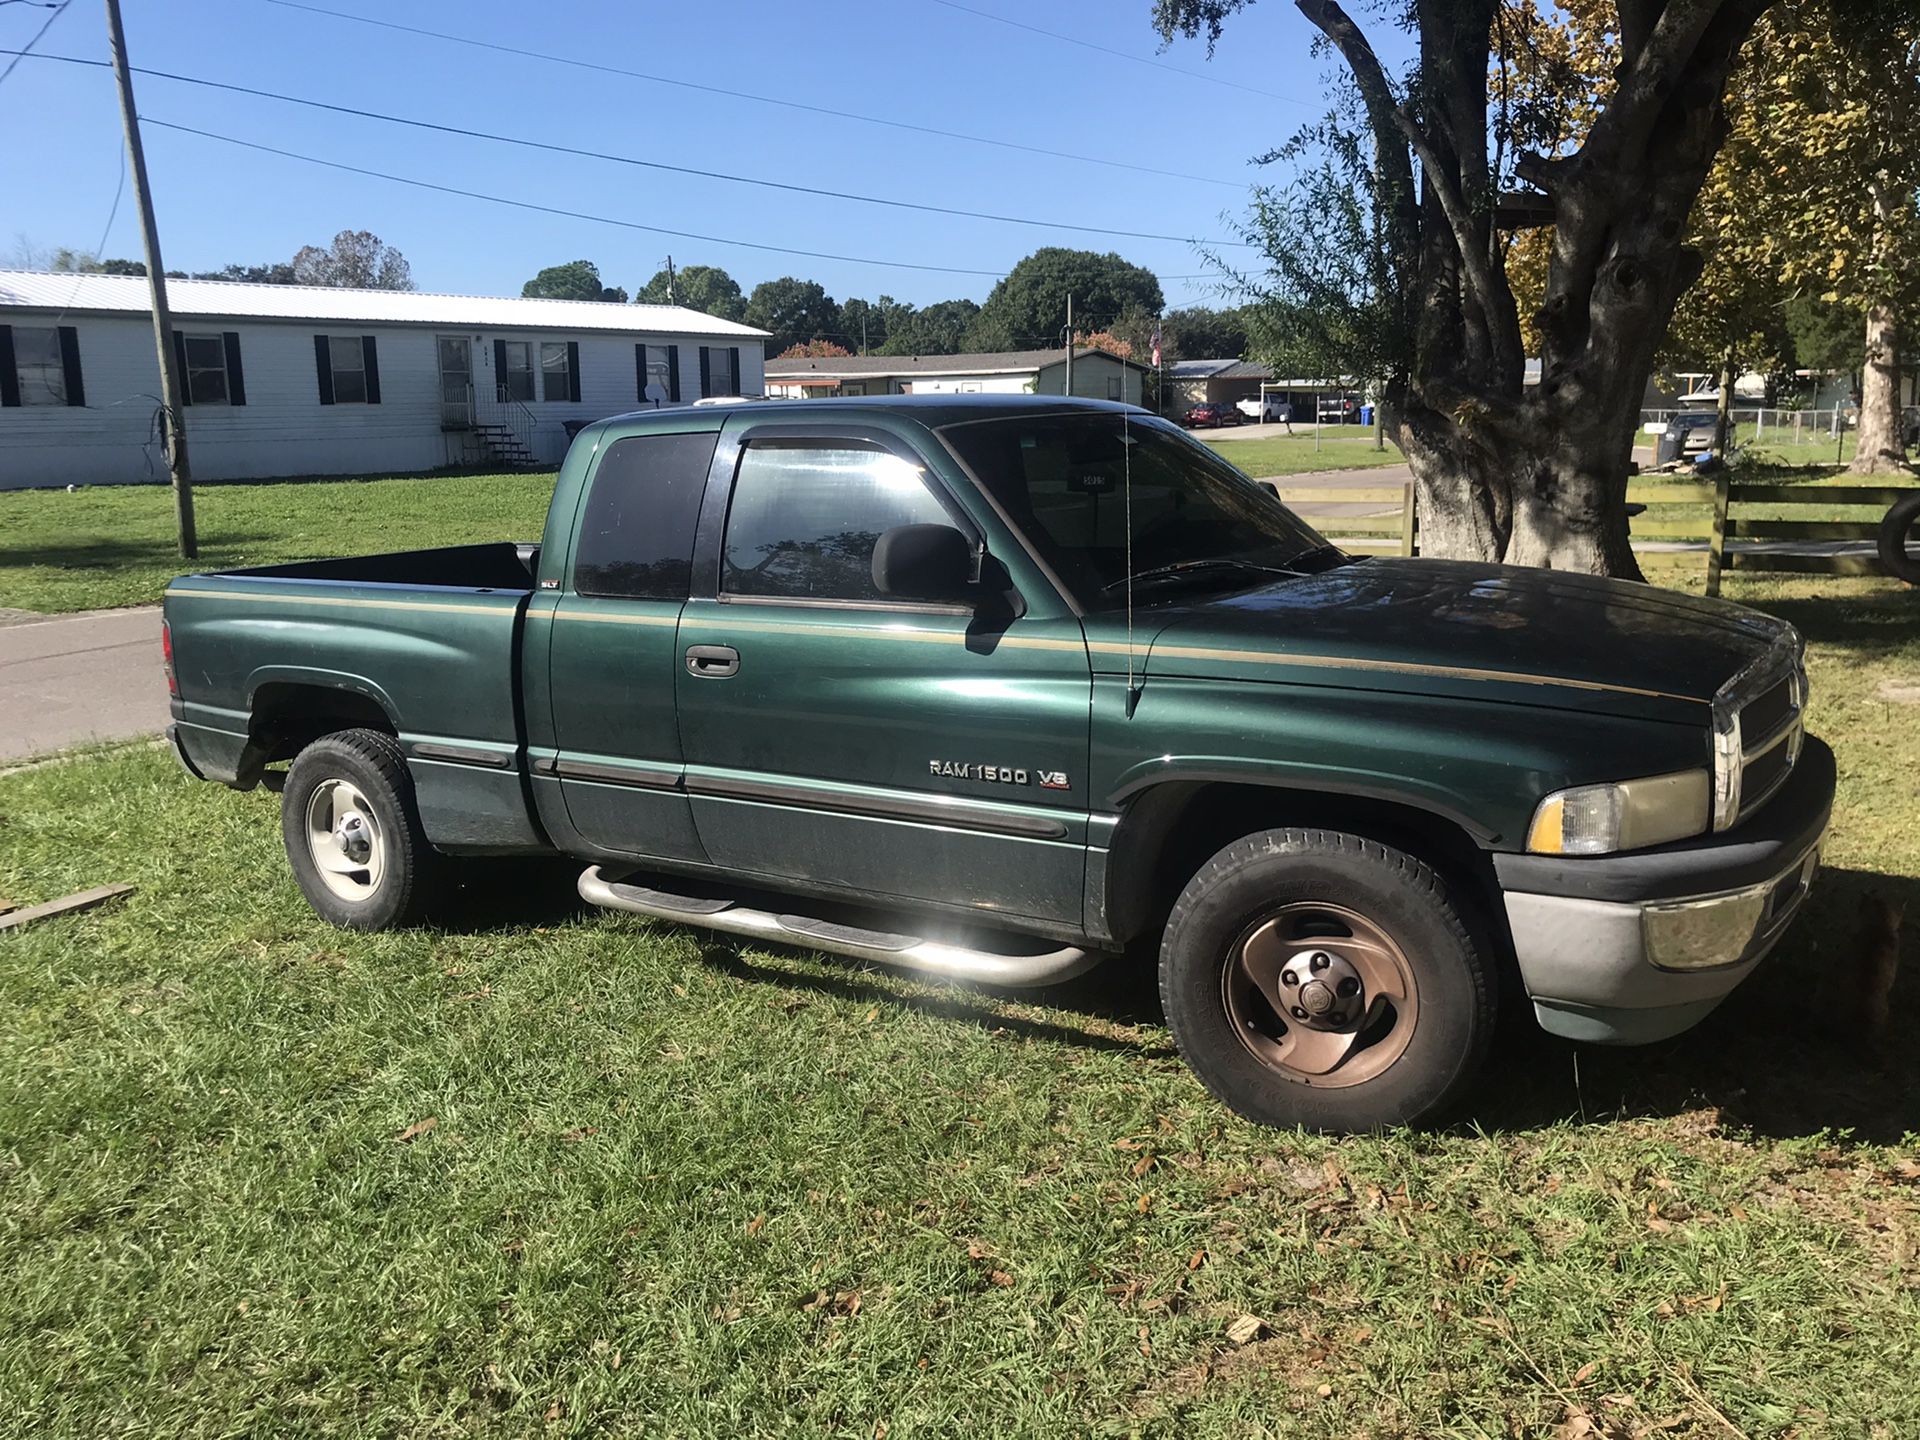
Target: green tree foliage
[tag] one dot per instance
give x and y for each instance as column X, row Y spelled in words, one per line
column 1027, row 309
column 1826, row 336
column 792, row 312
column 575, row 280
column 278, row 273
column 937, row 329
column 356, row 260
column 869, row 323
column 1198, row 332
column 706, row 288
column 81, row 262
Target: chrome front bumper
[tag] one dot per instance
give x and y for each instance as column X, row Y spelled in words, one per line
column 1633, row 948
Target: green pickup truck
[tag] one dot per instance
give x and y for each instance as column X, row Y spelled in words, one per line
column 996, row 687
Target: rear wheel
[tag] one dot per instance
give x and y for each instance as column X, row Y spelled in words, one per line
column 1314, row 978
column 352, row 831
column 1895, row 558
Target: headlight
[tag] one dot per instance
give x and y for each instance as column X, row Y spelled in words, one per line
column 1626, row 815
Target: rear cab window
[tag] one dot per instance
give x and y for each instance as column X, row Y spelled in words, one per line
column 637, row 526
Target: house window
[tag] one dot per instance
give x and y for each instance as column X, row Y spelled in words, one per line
column 37, row 361
column 718, row 372
column 1113, row 387
column 515, row 380
column 854, row 387
column 207, row 370
column 556, row 374
column 349, row 359
column 659, row 384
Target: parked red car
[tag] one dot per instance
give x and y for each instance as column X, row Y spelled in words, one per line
column 1198, row 417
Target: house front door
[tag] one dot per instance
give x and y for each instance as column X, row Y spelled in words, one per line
column 456, row 382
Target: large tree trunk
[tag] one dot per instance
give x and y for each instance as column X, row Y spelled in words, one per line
column 1881, row 449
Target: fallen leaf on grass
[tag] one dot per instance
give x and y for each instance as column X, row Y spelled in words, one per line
column 1199, row 1259
column 1246, row 1329
column 1141, row 1166
column 579, row 1133
column 417, row 1129
column 757, row 1223
column 1585, row 1372
column 999, row 1277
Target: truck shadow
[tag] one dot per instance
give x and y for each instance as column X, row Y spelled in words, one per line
column 1786, row 1055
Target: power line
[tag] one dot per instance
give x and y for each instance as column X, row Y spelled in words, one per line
column 645, row 164
column 38, row 35
column 749, row 95
column 556, row 210
column 1104, row 50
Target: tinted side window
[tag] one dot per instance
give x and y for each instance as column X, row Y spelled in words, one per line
column 636, row 536
column 804, row 519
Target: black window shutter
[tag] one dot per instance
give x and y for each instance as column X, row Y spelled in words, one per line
column 323, row 366
column 236, row 381
column 500, row 369
column 733, row 358
column 70, row 365
column 706, row 371
column 370, row 357
column 9, row 376
column 640, row 373
column 673, row 373
column 573, row 370
column 180, row 367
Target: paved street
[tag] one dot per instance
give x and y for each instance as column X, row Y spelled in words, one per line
column 69, row 679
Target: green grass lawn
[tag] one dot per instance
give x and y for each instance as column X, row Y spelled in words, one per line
column 681, row 1187
column 115, row 545
column 1344, row 449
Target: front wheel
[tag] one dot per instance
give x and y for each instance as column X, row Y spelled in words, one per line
column 1313, row 978
column 1895, row 558
column 352, row 831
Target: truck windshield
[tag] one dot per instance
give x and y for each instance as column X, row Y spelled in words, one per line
column 1064, row 479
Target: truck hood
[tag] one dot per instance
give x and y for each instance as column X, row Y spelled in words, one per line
column 1437, row 626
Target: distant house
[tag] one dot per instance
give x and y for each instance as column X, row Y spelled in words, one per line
column 299, row 380
column 1096, row 375
column 1228, row 382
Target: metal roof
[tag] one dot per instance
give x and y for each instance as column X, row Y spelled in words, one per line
column 858, row 367
column 233, row 300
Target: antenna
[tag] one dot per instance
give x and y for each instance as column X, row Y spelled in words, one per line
column 1126, row 495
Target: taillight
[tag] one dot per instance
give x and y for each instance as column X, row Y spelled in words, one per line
column 166, row 655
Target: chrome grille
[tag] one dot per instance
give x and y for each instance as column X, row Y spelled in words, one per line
column 1771, row 728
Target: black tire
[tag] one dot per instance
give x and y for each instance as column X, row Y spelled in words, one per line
column 1894, row 530
column 369, row 766
column 1289, row 871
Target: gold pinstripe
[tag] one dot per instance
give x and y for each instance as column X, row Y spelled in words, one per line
column 1011, row 642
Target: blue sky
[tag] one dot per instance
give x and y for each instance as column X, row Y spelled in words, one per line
column 916, row 61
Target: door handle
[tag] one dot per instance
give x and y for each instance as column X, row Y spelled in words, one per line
column 713, row 662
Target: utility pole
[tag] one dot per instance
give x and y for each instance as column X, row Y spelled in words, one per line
column 170, row 378
column 670, row 299
column 1069, row 344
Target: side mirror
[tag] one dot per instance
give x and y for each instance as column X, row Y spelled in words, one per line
column 923, row 562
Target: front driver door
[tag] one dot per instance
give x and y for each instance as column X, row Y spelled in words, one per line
column 846, row 740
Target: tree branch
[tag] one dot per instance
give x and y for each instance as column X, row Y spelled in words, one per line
column 1390, row 121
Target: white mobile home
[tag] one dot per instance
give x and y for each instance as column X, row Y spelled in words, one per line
column 1096, row 375
column 300, row 380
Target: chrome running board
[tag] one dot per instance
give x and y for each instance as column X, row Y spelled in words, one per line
column 955, row 962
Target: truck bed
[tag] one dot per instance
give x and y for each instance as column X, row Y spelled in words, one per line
column 422, row 643
column 505, row 565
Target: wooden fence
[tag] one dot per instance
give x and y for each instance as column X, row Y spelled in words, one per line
column 1721, row 522
column 1381, row 533
column 1714, row 521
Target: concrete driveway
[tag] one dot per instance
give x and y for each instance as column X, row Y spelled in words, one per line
column 70, row 679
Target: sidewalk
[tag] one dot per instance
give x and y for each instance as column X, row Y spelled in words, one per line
column 70, row 679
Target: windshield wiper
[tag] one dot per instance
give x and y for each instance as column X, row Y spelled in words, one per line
column 1191, row 567
column 1318, row 552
